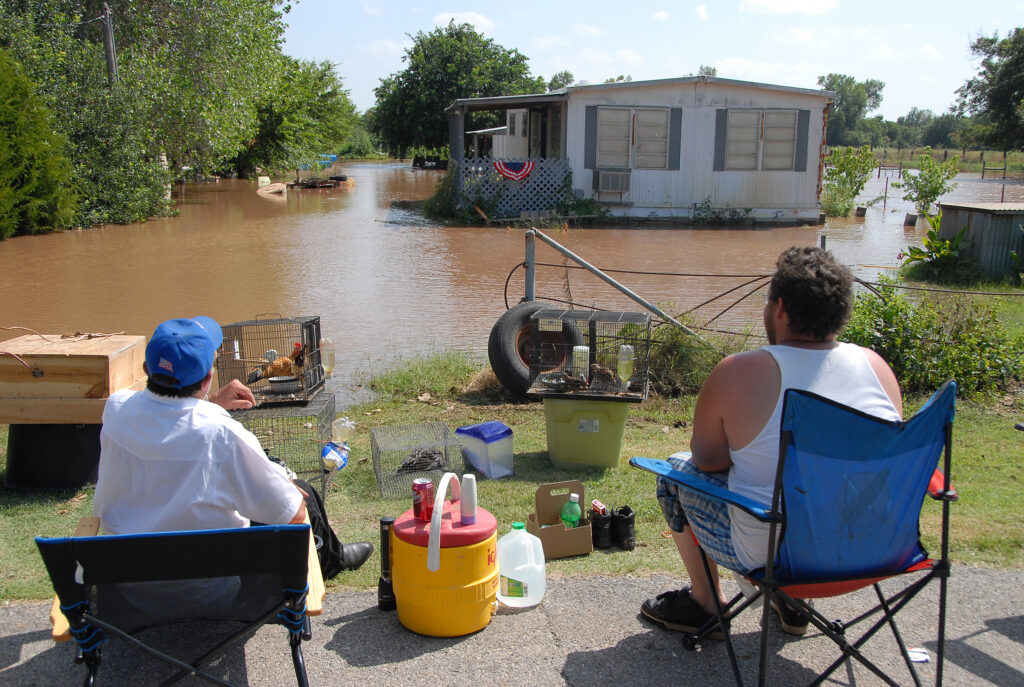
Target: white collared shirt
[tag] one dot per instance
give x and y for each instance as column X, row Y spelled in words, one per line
column 183, row 464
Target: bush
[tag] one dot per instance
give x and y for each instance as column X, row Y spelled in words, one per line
column 931, row 181
column 441, row 205
column 35, row 193
column 927, row 342
column 940, row 260
column 845, row 178
column 681, row 362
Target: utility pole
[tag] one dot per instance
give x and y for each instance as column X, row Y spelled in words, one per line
column 108, row 44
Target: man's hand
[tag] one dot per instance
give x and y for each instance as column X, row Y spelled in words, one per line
column 233, row 396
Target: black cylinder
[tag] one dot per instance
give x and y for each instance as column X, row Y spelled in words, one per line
column 385, row 592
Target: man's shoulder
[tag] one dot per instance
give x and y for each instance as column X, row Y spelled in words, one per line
column 747, row 364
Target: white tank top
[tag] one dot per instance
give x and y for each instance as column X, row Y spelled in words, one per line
column 842, row 374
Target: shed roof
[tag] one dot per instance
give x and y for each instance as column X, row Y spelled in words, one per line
column 994, row 208
column 510, row 101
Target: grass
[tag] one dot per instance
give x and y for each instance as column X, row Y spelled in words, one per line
column 987, row 522
column 972, row 161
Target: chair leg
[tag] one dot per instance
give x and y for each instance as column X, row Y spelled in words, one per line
column 297, row 660
column 723, row 626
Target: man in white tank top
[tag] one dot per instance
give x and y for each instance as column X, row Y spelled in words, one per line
column 735, row 440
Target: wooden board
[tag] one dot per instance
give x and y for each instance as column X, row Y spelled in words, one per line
column 73, row 377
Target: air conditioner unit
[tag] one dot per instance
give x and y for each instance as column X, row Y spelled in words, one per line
column 606, row 181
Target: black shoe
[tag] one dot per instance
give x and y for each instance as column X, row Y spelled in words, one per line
column 601, row 528
column 624, row 528
column 793, row 621
column 678, row 611
column 355, row 554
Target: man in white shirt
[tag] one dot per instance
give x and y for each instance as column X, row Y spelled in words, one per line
column 172, row 460
column 735, row 442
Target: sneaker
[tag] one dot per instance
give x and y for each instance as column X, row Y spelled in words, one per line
column 676, row 610
column 793, row 621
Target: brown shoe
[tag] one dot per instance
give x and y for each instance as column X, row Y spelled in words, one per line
column 677, row 610
column 793, row 621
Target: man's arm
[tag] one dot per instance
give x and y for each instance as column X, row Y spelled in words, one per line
column 709, row 443
column 886, row 377
column 233, row 396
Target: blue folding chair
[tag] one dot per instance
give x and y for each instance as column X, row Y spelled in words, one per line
column 116, row 585
column 847, row 500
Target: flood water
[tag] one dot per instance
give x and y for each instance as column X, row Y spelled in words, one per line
column 386, row 283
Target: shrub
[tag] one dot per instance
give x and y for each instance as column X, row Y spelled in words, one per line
column 931, row 181
column 845, row 178
column 681, row 362
column 940, row 259
column 35, row 193
column 927, row 342
column 442, row 203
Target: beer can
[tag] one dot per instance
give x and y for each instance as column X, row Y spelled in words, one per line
column 423, row 498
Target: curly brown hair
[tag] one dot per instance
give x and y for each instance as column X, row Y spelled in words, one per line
column 817, row 291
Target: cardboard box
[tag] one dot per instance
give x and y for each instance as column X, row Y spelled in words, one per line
column 47, row 379
column 546, row 522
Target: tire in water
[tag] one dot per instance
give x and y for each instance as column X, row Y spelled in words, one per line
column 508, row 345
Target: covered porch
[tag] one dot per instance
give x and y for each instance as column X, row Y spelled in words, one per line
column 516, row 167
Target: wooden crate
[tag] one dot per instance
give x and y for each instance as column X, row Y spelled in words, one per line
column 66, row 381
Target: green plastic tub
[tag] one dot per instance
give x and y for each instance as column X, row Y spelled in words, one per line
column 584, row 433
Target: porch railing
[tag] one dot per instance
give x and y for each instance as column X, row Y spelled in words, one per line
column 481, row 185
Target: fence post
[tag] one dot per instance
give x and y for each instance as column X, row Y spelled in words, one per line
column 531, row 264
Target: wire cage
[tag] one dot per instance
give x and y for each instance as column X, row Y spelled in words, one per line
column 278, row 359
column 598, row 355
column 295, row 435
column 403, row 453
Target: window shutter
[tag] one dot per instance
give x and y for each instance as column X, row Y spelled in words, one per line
column 590, row 138
column 721, row 131
column 803, row 120
column 675, row 129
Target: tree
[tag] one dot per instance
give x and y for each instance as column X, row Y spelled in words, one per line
column 561, row 80
column 308, row 113
column 617, row 79
column 851, row 102
column 847, row 173
column 707, row 70
column 997, row 92
column 931, row 180
column 449, row 63
column 35, row 193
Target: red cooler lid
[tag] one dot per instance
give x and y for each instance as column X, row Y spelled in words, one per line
column 453, row 532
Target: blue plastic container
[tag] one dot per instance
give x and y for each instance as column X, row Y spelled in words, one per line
column 488, row 448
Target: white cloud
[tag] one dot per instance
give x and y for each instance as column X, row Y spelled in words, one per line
column 929, row 52
column 802, row 35
column 479, row 21
column 549, row 41
column 702, row 12
column 386, row 47
column 588, row 30
column 801, row 74
column 630, row 57
column 372, row 7
column 661, row 15
column 788, row 6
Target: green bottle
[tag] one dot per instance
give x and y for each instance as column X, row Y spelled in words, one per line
column 571, row 512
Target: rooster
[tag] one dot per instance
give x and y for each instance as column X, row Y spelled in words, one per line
column 283, row 366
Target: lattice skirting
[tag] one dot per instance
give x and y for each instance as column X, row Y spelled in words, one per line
column 479, row 184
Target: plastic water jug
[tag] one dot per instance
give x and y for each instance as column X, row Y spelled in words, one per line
column 521, row 580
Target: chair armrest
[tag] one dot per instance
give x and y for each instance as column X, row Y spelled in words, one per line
column 314, row 579
column 61, row 630
column 935, row 485
column 663, row 468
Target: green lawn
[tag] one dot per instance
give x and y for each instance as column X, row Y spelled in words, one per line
column 987, row 524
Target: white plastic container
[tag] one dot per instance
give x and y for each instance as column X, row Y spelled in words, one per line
column 521, row 576
column 488, row 448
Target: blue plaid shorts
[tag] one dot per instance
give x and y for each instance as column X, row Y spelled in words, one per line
column 709, row 519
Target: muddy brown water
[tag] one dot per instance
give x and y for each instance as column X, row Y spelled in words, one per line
column 386, row 283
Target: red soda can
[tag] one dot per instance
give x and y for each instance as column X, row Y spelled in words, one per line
column 423, row 498
column 598, row 507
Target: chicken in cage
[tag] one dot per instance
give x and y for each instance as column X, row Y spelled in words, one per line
column 278, row 359
column 606, row 355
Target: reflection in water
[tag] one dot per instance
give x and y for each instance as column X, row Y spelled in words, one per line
column 385, row 282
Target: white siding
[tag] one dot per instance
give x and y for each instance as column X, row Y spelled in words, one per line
column 770, row 194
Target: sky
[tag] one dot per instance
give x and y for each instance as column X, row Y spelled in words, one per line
column 919, row 49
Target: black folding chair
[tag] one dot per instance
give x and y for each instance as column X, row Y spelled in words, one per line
column 847, row 500
column 115, row 586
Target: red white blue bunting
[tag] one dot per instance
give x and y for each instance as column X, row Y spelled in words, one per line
column 517, row 171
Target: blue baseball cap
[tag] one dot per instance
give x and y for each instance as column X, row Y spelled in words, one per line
column 183, row 349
